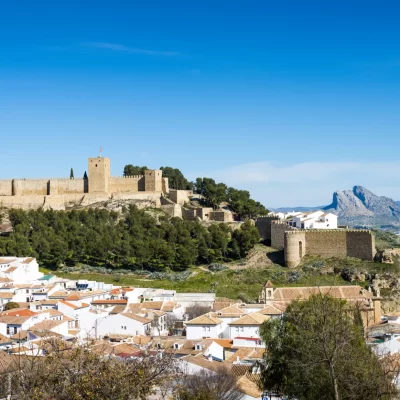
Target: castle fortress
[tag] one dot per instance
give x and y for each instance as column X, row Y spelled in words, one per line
column 297, row 243
column 97, row 187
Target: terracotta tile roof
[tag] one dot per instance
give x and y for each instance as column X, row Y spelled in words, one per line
column 21, row 312
column 4, row 339
column 303, row 293
column 203, row 362
column 75, row 307
column 225, row 343
column 242, row 353
column 142, row 340
column 7, row 261
column 5, row 280
column 14, row 320
column 120, row 290
column 6, row 295
column 11, row 269
column 61, row 294
column 66, row 303
column 152, row 305
column 73, row 332
column 250, row 319
column 21, row 335
column 219, row 305
column 28, row 260
column 118, row 309
column 137, row 318
column 169, row 306
column 271, row 310
column 204, row 320
column 269, row 284
column 186, row 347
column 46, row 325
column 109, row 302
column 249, row 385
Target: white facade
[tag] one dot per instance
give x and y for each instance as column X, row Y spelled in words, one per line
column 314, row 220
column 195, row 332
column 244, row 331
column 20, row 269
column 121, row 324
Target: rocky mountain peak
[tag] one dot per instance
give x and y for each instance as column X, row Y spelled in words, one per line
column 360, row 202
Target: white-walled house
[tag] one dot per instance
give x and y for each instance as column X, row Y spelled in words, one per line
column 124, row 324
column 247, row 326
column 72, row 310
column 228, row 315
column 20, row 269
column 203, row 327
column 314, row 220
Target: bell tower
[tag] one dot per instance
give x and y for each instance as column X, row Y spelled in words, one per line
column 99, row 175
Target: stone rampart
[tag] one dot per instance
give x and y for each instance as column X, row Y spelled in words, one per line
column 67, row 186
column 328, row 243
column 180, row 196
column 126, row 184
column 361, row 244
column 278, row 229
column 221, row 216
column 30, row 187
column 6, row 187
column 263, row 225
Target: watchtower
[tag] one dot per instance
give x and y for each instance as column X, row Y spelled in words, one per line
column 99, row 175
column 153, row 180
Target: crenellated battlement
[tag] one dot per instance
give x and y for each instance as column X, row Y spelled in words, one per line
column 123, row 178
column 99, row 181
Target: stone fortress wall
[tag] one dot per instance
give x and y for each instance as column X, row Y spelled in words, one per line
column 298, row 243
column 98, row 186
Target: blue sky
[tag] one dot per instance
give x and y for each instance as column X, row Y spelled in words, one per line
column 291, row 100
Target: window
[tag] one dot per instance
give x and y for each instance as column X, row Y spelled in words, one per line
column 242, row 329
column 237, row 329
column 204, row 328
column 208, row 328
column 123, row 327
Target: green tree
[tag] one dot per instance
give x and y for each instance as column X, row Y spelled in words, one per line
column 71, row 174
column 317, row 351
column 246, row 237
column 132, row 170
column 176, row 180
column 10, row 305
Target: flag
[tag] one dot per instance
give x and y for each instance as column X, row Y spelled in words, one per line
column 101, row 150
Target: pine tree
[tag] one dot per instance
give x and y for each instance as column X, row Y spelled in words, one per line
column 71, row 174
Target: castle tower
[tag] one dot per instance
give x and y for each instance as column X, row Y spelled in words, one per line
column 153, row 180
column 99, row 175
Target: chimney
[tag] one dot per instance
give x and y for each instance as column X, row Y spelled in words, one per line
column 210, row 357
column 237, row 359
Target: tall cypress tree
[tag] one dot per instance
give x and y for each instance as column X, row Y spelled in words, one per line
column 71, row 174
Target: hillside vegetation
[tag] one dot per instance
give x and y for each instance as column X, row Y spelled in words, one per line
column 132, row 239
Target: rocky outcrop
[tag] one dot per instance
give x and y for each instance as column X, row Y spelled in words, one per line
column 359, row 204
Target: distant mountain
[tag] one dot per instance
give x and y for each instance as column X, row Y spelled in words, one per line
column 297, row 209
column 359, row 206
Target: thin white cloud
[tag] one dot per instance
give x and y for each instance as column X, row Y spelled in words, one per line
column 126, row 49
column 310, row 183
